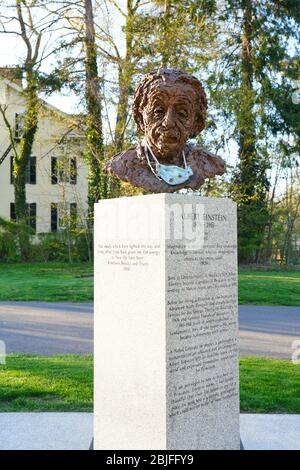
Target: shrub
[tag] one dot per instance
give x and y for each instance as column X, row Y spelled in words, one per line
column 65, row 245
column 8, row 241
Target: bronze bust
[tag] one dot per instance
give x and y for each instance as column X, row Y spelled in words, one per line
column 169, row 107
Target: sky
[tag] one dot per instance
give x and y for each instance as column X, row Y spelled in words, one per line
column 12, row 52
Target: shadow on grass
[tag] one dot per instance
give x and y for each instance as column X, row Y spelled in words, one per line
column 39, row 383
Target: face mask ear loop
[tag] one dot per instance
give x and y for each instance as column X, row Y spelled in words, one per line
column 150, row 150
column 148, row 160
column 184, row 160
column 148, row 147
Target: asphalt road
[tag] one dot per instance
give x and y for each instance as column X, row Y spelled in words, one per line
column 46, row 328
column 268, row 331
column 67, row 328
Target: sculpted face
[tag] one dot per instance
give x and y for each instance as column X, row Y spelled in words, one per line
column 169, row 117
column 169, row 107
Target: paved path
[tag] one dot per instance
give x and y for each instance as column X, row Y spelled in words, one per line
column 64, row 328
column 268, row 331
column 45, row 431
column 73, row 431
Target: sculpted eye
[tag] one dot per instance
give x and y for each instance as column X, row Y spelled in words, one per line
column 158, row 111
column 182, row 114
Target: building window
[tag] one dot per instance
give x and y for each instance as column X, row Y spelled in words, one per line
column 63, row 170
column 54, row 217
column 30, row 214
column 31, row 171
column 30, row 174
column 63, row 216
column 19, row 126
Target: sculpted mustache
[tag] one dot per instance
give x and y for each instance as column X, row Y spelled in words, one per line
column 168, row 133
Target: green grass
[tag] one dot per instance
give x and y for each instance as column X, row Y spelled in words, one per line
column 47, row 282
column 269, row 287
column 39, row 383
column 65, row 383
column 74, row 283
column 269, row 386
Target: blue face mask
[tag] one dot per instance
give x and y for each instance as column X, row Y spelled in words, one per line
column 173, row 174
column 170, row 174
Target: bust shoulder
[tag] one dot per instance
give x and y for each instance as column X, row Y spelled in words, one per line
column 122, row 162
column 131, row 166
column 207, row 162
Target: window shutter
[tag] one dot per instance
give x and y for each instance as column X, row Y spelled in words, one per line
column 11, row 170
column 17, row 127
column 73, row 171
column 54, row 217
column 54, row 169
column 32, row 215
column 13, row 217
column 32, row 170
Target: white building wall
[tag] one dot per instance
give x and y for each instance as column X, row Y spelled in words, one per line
column 52, row 126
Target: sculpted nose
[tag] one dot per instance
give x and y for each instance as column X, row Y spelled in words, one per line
column 168, row 121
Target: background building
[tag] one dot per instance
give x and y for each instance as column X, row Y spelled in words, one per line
column 56, row 178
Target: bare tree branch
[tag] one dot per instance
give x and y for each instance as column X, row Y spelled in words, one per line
column 3, row 110
column 23, row 31
column 118, row 8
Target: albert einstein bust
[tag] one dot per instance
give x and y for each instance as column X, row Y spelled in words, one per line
column 169, row 107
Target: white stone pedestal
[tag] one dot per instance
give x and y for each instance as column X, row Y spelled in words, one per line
column 166, row 353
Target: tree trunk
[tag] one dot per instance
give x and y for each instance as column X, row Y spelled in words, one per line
column 246, row 119
column 249, row 184
column 97, row 180
column 125, row 78
column 22, row 158
column 165, row 34
column 125, row 84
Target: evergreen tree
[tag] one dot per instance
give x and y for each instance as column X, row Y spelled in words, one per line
column 247, row 87
column 97, row 180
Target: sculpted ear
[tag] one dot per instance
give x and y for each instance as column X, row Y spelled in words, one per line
column 137, row 107
column 140, row 123
column 138, row 117
column 199, row 124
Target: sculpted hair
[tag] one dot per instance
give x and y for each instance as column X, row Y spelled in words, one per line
column 140, row 98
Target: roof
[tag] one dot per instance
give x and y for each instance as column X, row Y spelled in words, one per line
column 44, row 102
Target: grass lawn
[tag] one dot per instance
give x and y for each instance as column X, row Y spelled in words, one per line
column 47, row 281
column 74, row 283
column 39, row 383
column 269, row 385
column 269, row 287
column 65, row 383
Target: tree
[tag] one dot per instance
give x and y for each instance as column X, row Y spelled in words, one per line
column 94, row 137
column 31, row 36
column 248, row 82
